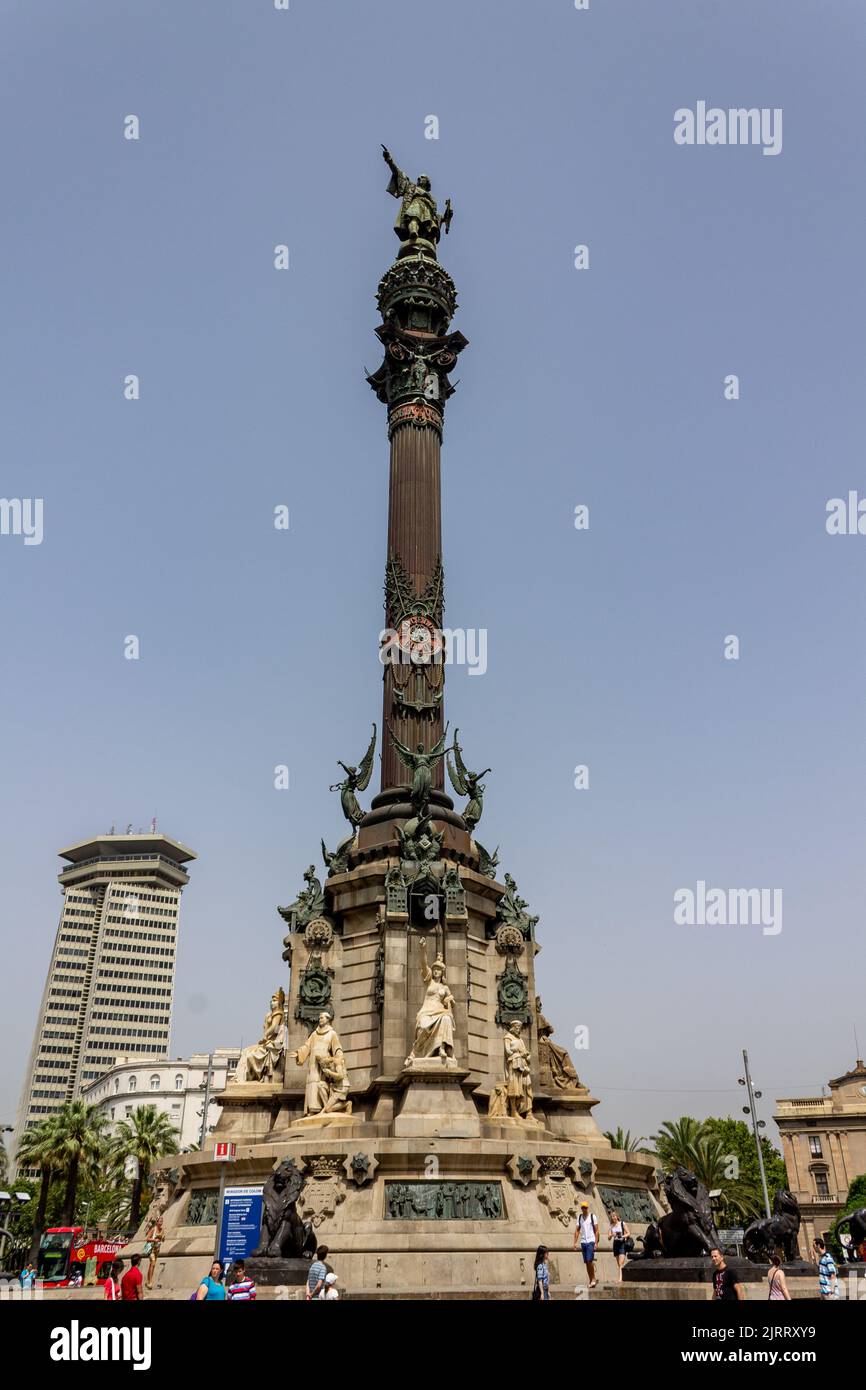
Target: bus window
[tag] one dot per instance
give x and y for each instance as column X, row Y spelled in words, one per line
column 53, row 1255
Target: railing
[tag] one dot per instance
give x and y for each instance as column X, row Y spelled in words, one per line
column 108, row 859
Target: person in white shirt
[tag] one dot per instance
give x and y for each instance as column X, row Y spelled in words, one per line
column 586, row 1235
column 330, row 1289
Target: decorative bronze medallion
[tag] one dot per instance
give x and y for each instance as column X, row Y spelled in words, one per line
column 509, row 939
column 319, row 933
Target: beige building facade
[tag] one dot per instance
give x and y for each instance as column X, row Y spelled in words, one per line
column 175, row 1088
column 111, row 977
column 824, row 1148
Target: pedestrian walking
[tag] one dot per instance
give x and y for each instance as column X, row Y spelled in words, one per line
column 586, row 1235
column 112, row 1283
column 619, row 1234
column 726, row 1285
column 541, row 1282
column 776, row 1282
column 318, row 1273
column 130, row 1284
column 241, row 1288
column 211, row 1289
column 828, row 1280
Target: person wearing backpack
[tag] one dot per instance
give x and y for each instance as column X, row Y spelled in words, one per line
column 586, row 1235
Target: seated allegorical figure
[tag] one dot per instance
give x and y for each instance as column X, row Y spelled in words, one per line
column 553, row 1058
column 262, row 1061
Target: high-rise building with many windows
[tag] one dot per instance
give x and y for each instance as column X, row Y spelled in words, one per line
column 111, row 978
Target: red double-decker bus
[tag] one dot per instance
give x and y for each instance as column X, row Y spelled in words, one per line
column 64, row 1252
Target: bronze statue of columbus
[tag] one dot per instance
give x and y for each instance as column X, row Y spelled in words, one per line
column 418, row 218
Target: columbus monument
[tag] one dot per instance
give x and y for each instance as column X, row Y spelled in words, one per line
column 407, row 1081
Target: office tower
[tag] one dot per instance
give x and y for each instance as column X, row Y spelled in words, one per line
column 111, row 978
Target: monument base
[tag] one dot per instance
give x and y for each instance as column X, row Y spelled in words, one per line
column 269, row 1272
column 698, row 1269
column 424, row 1211
column 435, row 1102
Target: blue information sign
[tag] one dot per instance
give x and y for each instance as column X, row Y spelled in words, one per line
column 242, row 1222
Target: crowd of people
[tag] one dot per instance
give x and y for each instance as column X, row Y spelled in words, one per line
column 221, row 1285
column 235, row 1285
column 726, row 1285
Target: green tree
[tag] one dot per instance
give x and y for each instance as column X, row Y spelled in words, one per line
column 4, row 1158
column 147, row 1136
column 737, row 1139
column 39, row 1148
column 104, row 1199
column 722, row 1153
column 20, row 1224
column 675, row 1142
column 80, row 1144
column 622, row 1139
column 741, row 1198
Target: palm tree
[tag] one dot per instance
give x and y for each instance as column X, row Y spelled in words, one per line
column 709, row 1161
column 39, row 1149
column 622, row 1139
column 676, row 1140
column 148, row 1136
column 4, row 1158
column 106, row 1196
column 81, row 1138
column 688, row 1142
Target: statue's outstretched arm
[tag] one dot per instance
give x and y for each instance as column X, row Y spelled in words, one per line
column 386, row 155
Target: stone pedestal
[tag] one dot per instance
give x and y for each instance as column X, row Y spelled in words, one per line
column 338, row 1120
column 436, row 1102
column 699, row 1269
column 269, row 1272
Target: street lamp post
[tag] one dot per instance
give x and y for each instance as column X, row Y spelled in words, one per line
column 12, row 1217
column 206, row 1105
column 757, row 1125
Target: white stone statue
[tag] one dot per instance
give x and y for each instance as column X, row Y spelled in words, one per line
column 518, row 1081
column 327, row 1079
column 262, row 1061
column 434, row 1024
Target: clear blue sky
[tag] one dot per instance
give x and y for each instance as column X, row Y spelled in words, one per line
column 601, row 387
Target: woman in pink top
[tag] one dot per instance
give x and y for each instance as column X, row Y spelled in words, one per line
column 776, row 1282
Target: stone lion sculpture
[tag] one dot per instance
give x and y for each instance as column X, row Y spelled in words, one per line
column 284, row 1234
column 856, row 1223
column 688, row 1228
column 776, row 1234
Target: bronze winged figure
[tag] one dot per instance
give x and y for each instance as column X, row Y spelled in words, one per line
column 356, row 780
column 467, row 783
column 420, row 764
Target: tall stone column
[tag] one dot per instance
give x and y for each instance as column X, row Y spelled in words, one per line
column 416, row 299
